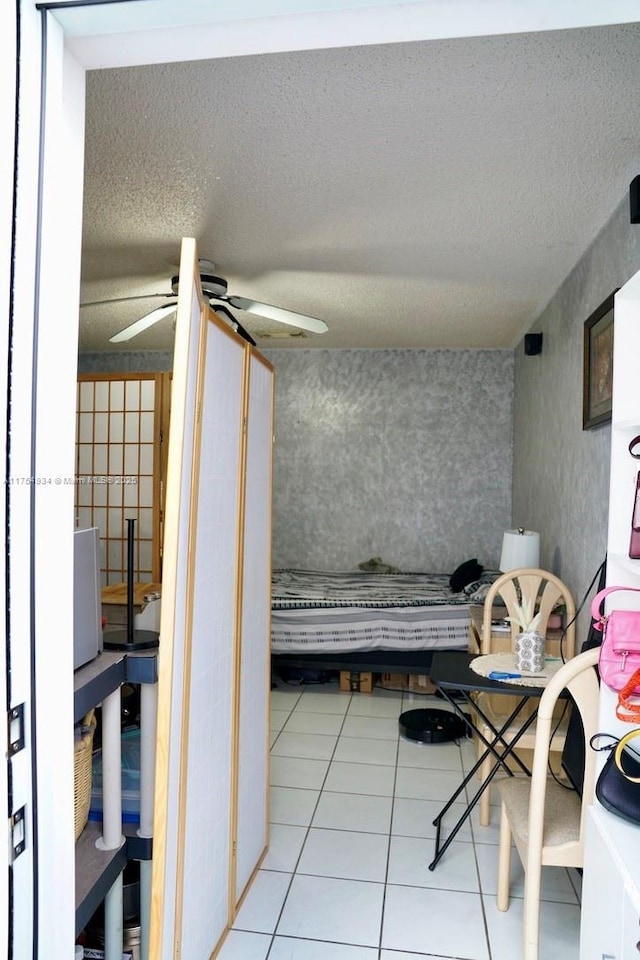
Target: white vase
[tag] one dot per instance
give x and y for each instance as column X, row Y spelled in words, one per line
column 529, row 652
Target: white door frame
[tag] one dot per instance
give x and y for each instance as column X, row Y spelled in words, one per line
column 58, row 41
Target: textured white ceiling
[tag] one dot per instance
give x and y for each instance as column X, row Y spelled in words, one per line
column 428, row 194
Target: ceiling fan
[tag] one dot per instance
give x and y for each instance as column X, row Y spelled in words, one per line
column 214, row 289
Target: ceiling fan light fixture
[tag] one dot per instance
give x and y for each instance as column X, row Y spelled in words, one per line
column 212, row 286
column 147, row 321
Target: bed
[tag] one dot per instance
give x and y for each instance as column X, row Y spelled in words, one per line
column 381, row 622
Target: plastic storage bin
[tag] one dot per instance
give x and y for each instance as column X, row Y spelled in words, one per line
column 130, row 748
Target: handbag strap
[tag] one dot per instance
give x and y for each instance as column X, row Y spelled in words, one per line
column 634, row 443
column 597, row 600
column 622, row 742
column 632, row 714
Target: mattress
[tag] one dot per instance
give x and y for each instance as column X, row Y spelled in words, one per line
column 321, row 612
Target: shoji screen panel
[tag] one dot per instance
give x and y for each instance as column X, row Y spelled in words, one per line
column 254, row 660
column 117, row 468
column 207, row 810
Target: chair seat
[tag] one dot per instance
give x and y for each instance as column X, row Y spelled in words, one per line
column 561, row 812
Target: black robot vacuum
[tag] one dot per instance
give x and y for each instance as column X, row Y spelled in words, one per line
column 431, row 726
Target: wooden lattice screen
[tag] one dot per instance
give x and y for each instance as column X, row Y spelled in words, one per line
column 119, row 464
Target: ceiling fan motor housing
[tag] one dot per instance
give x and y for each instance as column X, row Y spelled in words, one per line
column 212, row 286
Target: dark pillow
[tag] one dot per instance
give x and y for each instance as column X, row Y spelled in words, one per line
column 466, row 573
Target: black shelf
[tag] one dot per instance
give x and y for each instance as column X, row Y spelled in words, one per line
column 110, row 669
column 96, row 680
column 96, row 871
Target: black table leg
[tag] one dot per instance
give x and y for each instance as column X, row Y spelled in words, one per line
column 507, row 749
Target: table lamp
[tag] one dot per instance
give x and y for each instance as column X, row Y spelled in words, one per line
column 520, row 548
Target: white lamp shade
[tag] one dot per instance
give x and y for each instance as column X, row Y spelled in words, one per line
column 520, row 548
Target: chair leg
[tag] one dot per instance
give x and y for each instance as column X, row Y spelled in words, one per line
column 531, row 926
column 479, row 748
column 485, row 799
column 504, row 861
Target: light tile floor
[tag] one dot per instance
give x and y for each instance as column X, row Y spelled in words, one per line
column 351, row 835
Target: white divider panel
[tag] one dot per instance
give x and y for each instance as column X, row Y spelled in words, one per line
column 210, row 761
column 175, row 612
column 254, row 680
column 204, row 795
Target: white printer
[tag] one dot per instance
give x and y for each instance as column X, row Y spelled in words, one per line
column 87, row 606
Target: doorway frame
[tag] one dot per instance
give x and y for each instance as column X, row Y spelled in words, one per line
column 42, row 311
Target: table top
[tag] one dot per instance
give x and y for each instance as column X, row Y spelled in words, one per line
column 116, row 593
column 450, row 670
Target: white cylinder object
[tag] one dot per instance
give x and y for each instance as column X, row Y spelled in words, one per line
column 148, row 714
column 113, row 921
column 520, row 548
column 145, row 907
column 111, row 774
column 148, row 722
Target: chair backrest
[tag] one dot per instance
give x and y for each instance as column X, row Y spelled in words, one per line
column 580, row 678
column 531, row 584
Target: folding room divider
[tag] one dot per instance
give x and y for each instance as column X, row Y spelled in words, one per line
column 210, row 821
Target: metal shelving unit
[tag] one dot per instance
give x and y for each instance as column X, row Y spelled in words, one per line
column 102, row 850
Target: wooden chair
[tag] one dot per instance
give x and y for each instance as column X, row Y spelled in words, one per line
column 518, row 586
column 546, row 820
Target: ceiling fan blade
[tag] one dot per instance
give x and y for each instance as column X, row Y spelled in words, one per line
column 142, row 296
column 279, row 314
column 147, row 321
column 237, row 326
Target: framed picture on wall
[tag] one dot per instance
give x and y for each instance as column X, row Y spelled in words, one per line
column 598, row 365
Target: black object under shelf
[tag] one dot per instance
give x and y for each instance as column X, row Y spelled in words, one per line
column 138, row 848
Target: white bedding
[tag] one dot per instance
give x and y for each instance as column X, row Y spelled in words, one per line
column 320, row 612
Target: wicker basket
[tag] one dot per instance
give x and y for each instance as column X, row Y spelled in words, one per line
column 83, row 750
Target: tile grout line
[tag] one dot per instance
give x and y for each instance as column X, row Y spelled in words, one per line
column 295, row 869
column 386, row 872
column 485, row 922
column 273, row 935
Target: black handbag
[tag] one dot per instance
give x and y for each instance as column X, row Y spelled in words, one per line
column 618, row 786
column 634, row 541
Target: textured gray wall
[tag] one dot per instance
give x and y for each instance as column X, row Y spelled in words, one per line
column 561, row 473
column 131, row 361
column 403, row 454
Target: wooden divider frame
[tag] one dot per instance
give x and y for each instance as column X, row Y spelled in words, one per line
column 182, row 404
column 252, row 356
column 172, row 914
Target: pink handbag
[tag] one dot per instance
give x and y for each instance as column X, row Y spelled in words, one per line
column 620, row 651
